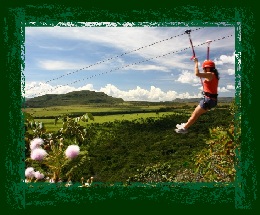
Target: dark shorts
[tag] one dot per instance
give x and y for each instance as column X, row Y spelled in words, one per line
column 207, row 103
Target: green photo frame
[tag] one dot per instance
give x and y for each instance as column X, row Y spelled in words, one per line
column 241, row 194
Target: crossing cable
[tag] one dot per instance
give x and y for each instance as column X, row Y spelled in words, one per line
column 44, row 92
column 120, row 55
column 133, row 64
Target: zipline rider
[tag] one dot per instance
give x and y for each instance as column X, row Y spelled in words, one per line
column 210, row 90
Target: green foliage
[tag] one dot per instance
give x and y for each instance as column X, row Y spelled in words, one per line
column 71, row 128
column 116, row 150
column 155, row 173
column 38, row 129
column 57, row 166
column 217, row 162
column 76, row 168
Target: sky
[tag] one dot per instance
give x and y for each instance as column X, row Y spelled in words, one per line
column 146, row 63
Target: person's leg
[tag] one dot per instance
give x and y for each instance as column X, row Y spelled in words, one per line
column 200, row 109
column 194, row 116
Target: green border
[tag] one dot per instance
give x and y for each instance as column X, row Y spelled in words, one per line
column 240, row 195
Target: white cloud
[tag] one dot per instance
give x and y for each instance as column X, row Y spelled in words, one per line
column 127, row 39
column 138, row 94
column 147, row 67
column 225, row 59
column 230, row 87
column 76, row 48
column 228, row 59
column 154, row 94
column 231, row 71
column 34, row 89
column 223, row 72
column 223, row 89
column 187, row 77
column 59, row 48
column 57, row 65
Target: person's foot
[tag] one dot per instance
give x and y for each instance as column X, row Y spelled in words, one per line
column 181, row 130
column 179, row 126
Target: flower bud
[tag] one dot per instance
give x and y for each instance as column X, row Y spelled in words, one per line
column 38, row 154
column 72, row 151
column 36, row 143
column 29, row 172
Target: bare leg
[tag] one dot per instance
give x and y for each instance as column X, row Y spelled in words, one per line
column 194, row 116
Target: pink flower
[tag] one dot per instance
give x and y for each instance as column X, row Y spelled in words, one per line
column 38, row 175
column 29, row 172
column 72, row 151
column 38, row 154
column 36, row 143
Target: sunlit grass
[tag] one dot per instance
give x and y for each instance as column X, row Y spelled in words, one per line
column 42, row 114
column 63, row 110
column 51, row 127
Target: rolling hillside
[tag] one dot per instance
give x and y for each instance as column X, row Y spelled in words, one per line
column 83, row 97
column 86, row 97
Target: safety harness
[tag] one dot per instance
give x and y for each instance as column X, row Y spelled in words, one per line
column 214, row 96
column 205, row 94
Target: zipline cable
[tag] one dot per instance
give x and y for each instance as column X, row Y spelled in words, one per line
column 120, row 55
column 44, row 92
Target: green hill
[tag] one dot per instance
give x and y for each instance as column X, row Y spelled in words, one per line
column 83, row 97
column 87, row 97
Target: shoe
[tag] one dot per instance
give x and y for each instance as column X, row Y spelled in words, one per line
column 181, row 130
column 179, row 126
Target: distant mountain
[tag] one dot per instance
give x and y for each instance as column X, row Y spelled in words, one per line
column 83, row 97
column 86, row 97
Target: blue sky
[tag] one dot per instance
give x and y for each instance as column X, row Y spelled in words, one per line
column 132, row 63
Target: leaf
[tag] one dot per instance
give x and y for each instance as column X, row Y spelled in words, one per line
column 209, row 164
column 56, row 120
column 41, row 125
column 90, row 116
column 196, row 170
column 65, row 124
column 230, row 135
column 28, row 117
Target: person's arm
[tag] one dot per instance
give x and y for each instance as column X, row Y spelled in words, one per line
column 207, row 75
column 196, row 67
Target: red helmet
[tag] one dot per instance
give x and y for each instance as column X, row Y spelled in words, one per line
column 208, row 63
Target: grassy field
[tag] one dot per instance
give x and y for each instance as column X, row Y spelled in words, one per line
column 61, row 110
column 51, row 127
column 46, row 115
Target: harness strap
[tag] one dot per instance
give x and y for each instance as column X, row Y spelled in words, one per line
column 210, row 95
